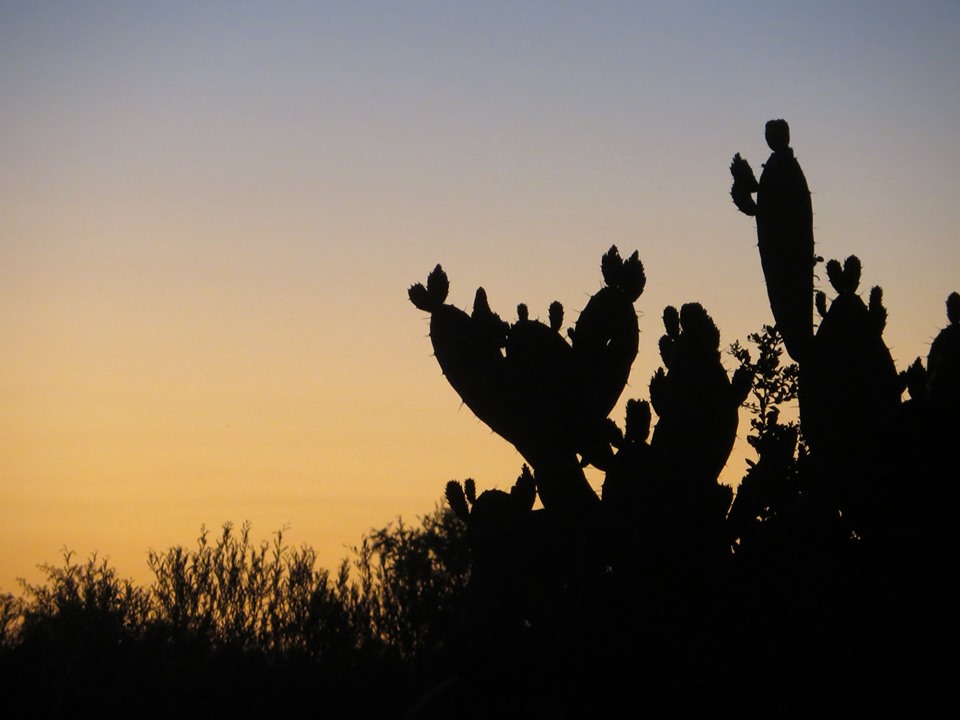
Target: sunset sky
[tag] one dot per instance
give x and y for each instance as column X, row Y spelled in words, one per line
column 210, row 214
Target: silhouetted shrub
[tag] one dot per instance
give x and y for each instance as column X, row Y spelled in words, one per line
column 412, row 582
column 233, row 627
column 11, row 617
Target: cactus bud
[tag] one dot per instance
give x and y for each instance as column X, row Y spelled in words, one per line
column 481, row 306
column 878, row 313
column 851, row 273
column 633, row 279
column 820, row 300
column 438, row 285
column 420, row 297
column 777, row 135
column 556, row 316
column 835, row 274
column 432, row 296
column 524, row 490
column 671, row 321
column 611, row 266
column 953, row 308
column 698, row 324
column 456, row 500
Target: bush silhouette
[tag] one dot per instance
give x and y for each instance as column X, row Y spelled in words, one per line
column 233, row 627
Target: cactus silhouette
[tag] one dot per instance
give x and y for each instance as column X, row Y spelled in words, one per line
column 784, row 215
column 549, row 397
column 840, row 535
column 864, row 443
column 943, row 362
column 849, row 388
column 921, row 445
column 696, row 403
column 662, row 500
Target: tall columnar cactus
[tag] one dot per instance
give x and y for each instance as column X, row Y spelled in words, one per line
column 548, row 397
column 784, row 233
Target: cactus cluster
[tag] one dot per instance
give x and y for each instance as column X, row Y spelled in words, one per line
column 857, row 492
column 862, row 439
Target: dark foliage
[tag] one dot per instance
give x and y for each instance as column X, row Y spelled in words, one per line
column 230, row 628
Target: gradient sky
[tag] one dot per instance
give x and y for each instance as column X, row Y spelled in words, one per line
column 211, row 213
